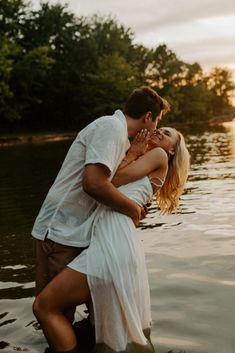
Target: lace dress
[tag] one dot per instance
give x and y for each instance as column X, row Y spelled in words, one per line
column 117, row 277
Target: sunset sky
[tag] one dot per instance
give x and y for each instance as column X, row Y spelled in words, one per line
column 196, row 30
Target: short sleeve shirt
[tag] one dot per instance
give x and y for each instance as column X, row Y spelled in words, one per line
column 67, row 213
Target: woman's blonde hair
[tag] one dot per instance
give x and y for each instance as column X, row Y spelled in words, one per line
column 178, row 167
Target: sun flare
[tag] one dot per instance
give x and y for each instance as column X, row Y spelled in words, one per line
column 230, row 127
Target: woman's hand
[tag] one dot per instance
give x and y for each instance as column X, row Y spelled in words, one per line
column 138, row 145
column 138, row 148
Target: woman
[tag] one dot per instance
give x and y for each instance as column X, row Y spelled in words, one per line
column 112, row 271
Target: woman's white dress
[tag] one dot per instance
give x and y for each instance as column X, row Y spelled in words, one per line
column 117, row 276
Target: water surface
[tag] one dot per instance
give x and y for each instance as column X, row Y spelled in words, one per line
column 190, row 256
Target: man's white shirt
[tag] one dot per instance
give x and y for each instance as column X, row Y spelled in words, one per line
column 67, row 213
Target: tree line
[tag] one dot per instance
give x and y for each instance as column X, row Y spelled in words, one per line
column 58, row 70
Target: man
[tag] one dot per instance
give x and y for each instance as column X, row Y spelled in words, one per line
column 84, row 180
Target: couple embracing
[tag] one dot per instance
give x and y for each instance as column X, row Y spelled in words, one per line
column 87, row 247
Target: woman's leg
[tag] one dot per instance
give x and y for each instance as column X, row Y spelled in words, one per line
column 51, row 259
column 67, row 289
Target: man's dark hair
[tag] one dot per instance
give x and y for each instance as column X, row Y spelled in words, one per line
column 143, row 100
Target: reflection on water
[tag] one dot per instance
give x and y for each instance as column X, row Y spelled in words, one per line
column 190, row 256
column 230, row 127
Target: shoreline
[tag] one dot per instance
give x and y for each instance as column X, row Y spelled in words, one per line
column 15, row 139
column 10, row 139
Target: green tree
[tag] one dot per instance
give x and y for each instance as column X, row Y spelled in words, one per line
column 109, row 86
column 60, row 70
column 111, row 38
column 6, row 94
column 196, row 103
column 12, row 14
column 166, row 73
column 86, row 51
column 166, row 69
column 220, row 83
column 28, row 80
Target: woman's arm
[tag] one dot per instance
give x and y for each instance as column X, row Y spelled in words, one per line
column 154, row 160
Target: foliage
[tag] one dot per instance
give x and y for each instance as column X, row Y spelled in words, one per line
column 62, row 71
column 12, row 14
column 6, row 94
column 222, row 87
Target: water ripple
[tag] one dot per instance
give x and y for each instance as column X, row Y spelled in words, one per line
column 190, row 255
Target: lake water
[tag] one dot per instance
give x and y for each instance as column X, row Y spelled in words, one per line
column 190, row 256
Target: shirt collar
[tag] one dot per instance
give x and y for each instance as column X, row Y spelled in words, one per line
column 119, row 114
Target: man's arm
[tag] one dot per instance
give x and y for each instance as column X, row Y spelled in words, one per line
column 96, row 184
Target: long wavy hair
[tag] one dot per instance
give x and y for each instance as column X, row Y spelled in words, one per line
column 178, row 167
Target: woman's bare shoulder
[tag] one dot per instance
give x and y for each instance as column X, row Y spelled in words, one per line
column 159, row 155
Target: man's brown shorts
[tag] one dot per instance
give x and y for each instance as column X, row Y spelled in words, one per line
column 51, row 258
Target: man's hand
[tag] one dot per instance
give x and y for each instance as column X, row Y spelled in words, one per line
column 144, row 210
column 136, row 217
column 141, row 214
